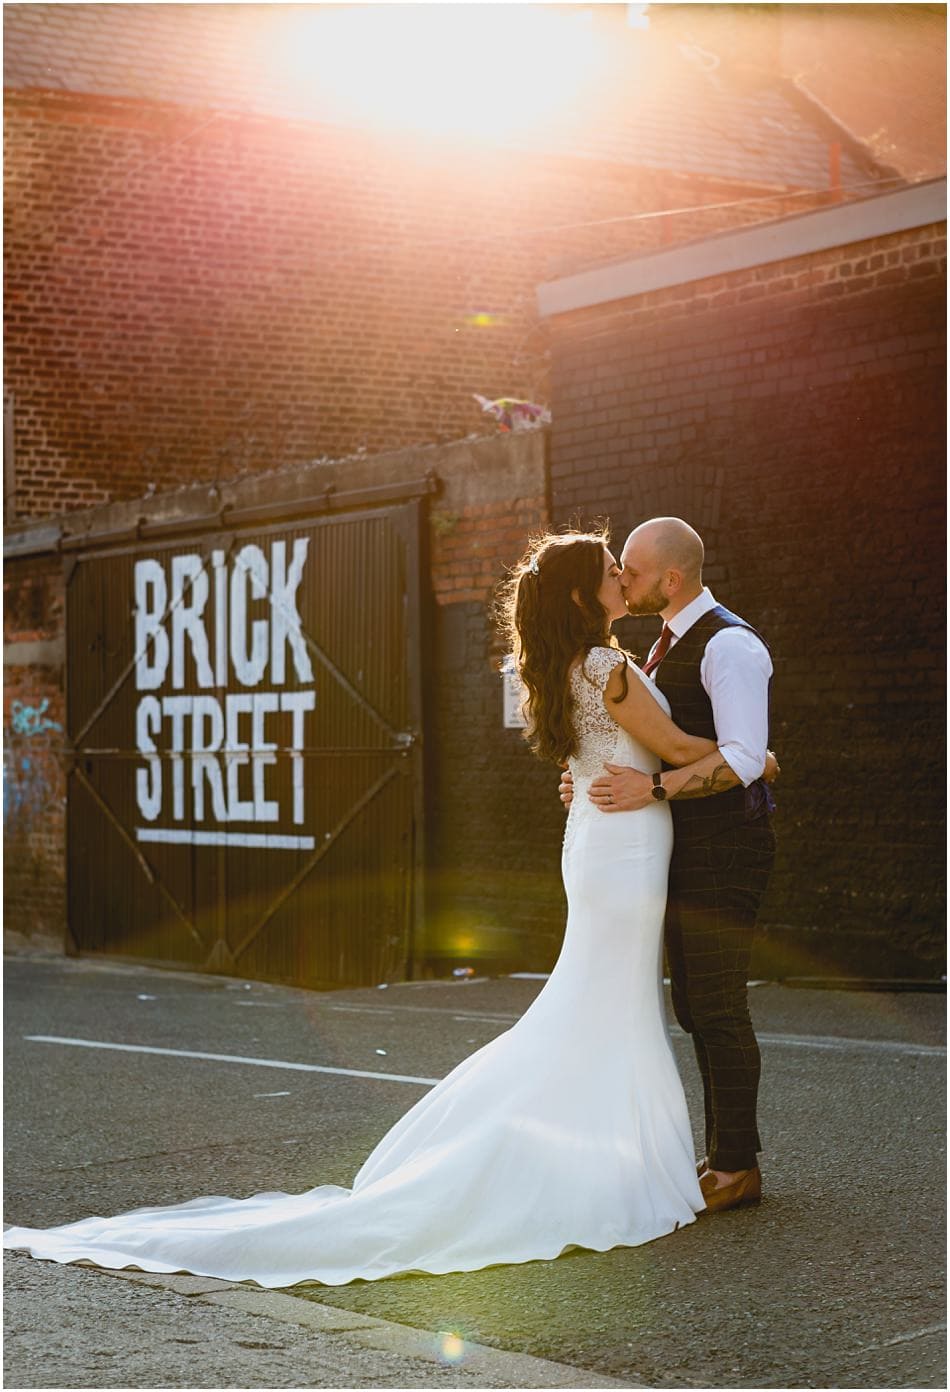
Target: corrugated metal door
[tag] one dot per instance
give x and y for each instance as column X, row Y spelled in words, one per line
column 244, row 710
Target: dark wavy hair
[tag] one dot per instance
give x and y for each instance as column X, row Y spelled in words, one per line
column 547, row 630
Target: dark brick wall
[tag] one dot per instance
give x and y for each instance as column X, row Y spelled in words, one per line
column 794, row 414
column 192, row 296
column 494, row 898
column 495, row 822
column 34, row 785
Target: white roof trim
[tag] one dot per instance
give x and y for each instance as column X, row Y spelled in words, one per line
column 781, row 240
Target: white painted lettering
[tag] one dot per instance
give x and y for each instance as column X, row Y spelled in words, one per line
column 204, row 763
column 236, row 752
column 250, row 562
column 151, row 640
column 189, row 597
column 220, row 618
column 261, row 757
column 298, row 702
column 176, row 708
column 285, row 620
column 148, row 781
column 201, row 738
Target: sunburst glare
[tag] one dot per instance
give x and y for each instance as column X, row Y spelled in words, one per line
column 474, row 71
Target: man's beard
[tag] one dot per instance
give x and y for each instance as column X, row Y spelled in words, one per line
column 653, row 603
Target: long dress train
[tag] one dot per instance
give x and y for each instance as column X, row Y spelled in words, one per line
column 568, row 1130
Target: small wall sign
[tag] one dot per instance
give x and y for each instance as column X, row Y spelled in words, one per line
column 514, row 695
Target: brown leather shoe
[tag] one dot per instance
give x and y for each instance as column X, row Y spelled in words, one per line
column 746, row 1188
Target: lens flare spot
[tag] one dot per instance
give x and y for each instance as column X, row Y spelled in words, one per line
column 451, row 1347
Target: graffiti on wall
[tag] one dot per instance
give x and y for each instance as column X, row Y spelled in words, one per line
column 31, row 720
column 32, row 771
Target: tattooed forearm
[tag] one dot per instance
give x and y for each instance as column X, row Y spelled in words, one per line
column 719, row 781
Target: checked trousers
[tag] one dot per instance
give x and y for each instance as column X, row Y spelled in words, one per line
column 716, row 885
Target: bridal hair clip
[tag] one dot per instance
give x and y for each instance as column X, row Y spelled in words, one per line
column 533, row 564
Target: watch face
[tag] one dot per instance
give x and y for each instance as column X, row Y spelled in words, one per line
column 659, row 792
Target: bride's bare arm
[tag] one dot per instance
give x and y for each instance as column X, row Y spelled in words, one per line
column 641, row 716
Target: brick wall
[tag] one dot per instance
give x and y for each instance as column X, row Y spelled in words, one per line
column 794, row 414
column 494, row 820
column 34, row 787
column 198, row 296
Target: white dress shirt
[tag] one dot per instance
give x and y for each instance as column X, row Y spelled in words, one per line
column 735, row 673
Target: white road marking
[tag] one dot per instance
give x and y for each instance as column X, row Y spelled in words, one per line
column 229, row 1058
column 423, row 1010
column 900, row 1339
column 485, row 1019
column 821, row 1043
column 366, row 1009
column 831, row 1041
column 795, row 1041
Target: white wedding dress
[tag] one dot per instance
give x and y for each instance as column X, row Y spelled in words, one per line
column 568, row 1130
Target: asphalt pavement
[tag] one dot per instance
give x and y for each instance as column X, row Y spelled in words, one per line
column 835, row 1281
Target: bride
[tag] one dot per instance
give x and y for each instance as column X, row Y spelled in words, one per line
column 570, row 1129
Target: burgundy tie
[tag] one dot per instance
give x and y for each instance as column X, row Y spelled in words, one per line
column 659, row 651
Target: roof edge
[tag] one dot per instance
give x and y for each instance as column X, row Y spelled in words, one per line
column 778, row 240
column 806, row 101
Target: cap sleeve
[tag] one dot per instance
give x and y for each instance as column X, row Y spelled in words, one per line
column 600, row 662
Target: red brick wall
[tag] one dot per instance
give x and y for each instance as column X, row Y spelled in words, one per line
column 470, row 547
column 794, row 413
column 191, row 296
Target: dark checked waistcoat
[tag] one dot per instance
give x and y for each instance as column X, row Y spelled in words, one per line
column 677, row 676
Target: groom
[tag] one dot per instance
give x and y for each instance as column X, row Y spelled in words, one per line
column 715, row 671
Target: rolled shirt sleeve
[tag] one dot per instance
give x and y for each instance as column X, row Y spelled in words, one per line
column 735, row 674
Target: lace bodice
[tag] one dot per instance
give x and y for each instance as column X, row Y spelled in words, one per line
column 596, row 731
column 600, row 740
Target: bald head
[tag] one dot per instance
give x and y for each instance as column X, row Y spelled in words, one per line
column 662, row 566
column 673, row 545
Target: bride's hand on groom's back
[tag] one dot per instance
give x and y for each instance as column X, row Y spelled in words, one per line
column 772, row 769
column 566, row 787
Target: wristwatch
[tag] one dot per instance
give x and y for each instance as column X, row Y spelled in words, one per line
column 658, row 791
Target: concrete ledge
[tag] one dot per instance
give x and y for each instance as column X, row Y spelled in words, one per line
column 181, row 1284
column 503, row 1369
column 509, row 1369
column 294, row 1310
column 477, row 470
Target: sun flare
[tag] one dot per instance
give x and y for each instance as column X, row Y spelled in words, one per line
column 489, row 71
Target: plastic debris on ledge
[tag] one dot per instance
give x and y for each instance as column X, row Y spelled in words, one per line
column 512, row 413
column 463, row 973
